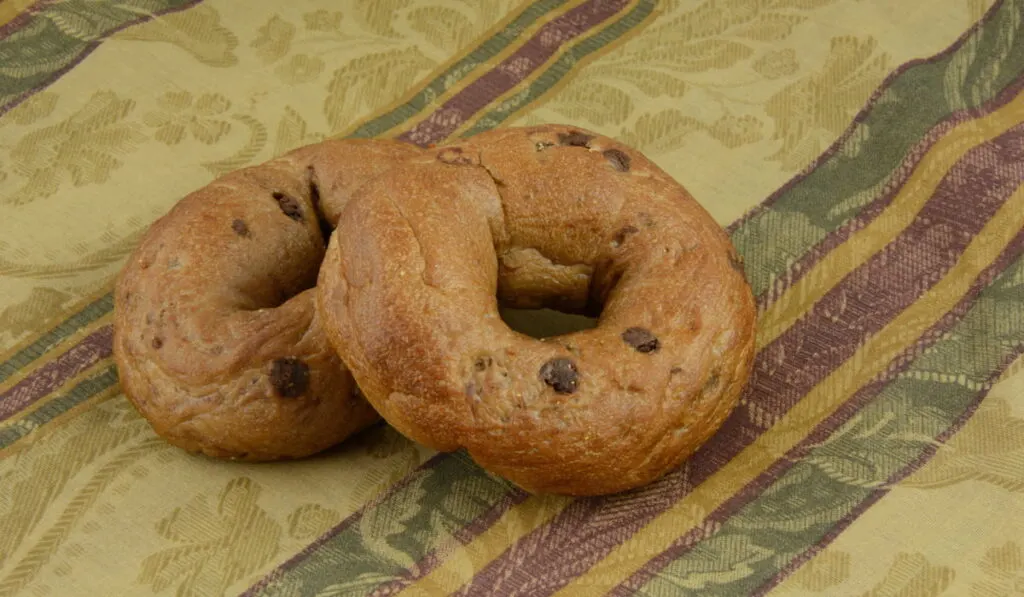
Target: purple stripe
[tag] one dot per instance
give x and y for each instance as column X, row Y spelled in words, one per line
column 517, row 67
column 926, row 455
column 898, row 179
column 858, row 307
column 862, row 115
column 22, row 18
column 352, row 519
column 46, row 379
column 86, row 51
column 823, row 430
column 463, row 536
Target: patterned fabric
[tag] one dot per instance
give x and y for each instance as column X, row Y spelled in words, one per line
column 866, row 156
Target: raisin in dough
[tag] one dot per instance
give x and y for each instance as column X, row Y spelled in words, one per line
column 530, row 217
column 216, row 337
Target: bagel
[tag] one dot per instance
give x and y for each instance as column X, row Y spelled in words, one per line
column 547, row 216
column 216, row 338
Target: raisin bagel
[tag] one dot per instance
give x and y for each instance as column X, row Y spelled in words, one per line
column 547, row 216
column 216, row 338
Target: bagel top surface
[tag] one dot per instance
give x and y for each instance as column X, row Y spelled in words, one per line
column 532, row 217
column 217, row 340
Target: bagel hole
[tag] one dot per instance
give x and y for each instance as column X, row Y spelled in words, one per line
column 545, row 322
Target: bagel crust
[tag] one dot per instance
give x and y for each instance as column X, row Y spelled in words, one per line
column 547, row 216
column 216, row 336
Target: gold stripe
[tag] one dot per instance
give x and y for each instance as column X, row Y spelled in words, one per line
column 58, row 422
column 825, row 275
column 460, row 566
column 10, row 9
column 872, row 359
column 66, row 345
column 860, row 247
column 69, row 383
column 466, row 81
column 533, row 512
column 55, row 319
column 538, row 72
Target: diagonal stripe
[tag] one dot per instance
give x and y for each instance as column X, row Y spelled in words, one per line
column 84, row 390
column 870, row 360
column 832, row 267
column 32, row 350
column 827, row 333
column 66, row 51
column 52, row 375
column 896, row 182
column 571, row 58
column 12, row 9
column 987, row 58
column 890, row 144
column 35, row 384
column 427, row 483
column 939, row 333
column 876, row 495
column 453, row 77
column 809, row 186
column 531, row 57
column 39, row 364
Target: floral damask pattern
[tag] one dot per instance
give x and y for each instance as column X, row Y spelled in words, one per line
column 83, row 149
column 198, row 564
column 181, row 114
column 747, row 82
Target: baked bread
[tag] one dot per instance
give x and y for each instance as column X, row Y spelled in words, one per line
column 216, row 338
column 555, row 216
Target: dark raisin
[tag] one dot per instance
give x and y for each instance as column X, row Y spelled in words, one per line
column 240, row 228
column 641, row 339
column 542, row 145
column 575, row 139
column 483, row 363
column 289, row 206
column 618, row 159
column 560, row 373
column 157, row 343
column 620, row 236
column 289, row 377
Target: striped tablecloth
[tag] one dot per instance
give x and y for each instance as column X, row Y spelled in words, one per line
column 866, row 156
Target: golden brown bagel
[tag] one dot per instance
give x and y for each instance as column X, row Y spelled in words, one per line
column 216, row 337
column 530, row 217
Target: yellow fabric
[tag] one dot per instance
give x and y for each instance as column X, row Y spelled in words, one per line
column 908, row 545
column 94, row 504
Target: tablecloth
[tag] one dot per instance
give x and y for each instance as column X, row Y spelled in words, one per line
column 866, row 156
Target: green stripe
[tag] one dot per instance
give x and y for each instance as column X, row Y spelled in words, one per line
column 917, row 100
column 560, row 68
column 56, row 336
column 400, row 531
column 29, row 38
column 458, row 71
column 82, row 391
column 843, row 170
column 54, row 37
column 885, row 437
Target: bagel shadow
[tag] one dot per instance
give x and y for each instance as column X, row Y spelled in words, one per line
column 545, row 323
